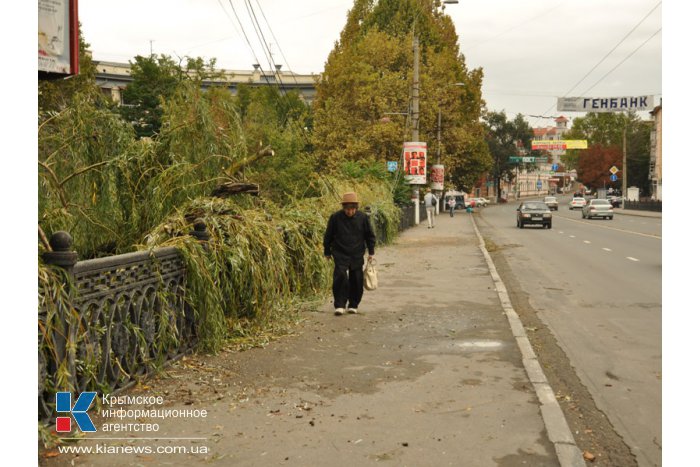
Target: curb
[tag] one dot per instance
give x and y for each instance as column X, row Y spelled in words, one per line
column 558, row 430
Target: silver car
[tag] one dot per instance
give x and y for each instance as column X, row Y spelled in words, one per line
column 597, row 208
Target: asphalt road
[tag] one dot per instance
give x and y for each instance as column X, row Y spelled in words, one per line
column 597, row 285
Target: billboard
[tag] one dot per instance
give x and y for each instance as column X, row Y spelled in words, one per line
column 58, row 37
column 605, row 104
column 415, row 157
column 559, row 144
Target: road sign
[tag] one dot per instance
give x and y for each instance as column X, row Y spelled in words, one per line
column 555, row 167
column 539, row 184
column 614, row 170
column 392, row 166
column 613, row 178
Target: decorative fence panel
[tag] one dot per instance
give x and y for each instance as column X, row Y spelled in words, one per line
column 127, row 314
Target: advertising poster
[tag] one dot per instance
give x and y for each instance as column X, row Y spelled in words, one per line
column 437, row 177
column 415, row 156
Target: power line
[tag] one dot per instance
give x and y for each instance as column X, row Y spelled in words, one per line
column 623, row 60
column 606, row 55
column 276, row 73
column 612, row 50
column 276, row 41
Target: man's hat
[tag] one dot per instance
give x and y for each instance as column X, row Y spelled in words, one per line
column 349, row 198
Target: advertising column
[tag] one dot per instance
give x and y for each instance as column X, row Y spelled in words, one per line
column 437, row 181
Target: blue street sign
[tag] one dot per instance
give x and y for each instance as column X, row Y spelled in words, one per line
column 539, row 184
column 555, row 167
column 613, row 177
column 392, row 166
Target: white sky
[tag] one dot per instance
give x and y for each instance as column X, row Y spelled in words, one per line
column 531, row 51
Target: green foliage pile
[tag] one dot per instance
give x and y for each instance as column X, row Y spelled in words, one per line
column 262, row 259
column 369, row 74
column 115, row 193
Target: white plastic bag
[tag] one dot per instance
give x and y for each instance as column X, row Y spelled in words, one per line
column 371, row 278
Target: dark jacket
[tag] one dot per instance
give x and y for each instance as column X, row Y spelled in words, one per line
column 346, row 238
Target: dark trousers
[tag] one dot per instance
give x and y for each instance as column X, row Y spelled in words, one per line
column 347, row 286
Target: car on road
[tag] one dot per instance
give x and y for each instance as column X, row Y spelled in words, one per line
column 475, row 202
column 597, row 208
column 616, row 201
column 552, row 202
column 533, row 213
column 577, row 203
column 484, row 201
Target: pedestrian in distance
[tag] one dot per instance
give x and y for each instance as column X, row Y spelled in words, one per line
column 347, row 236
column 452, row 203
column 430, row 203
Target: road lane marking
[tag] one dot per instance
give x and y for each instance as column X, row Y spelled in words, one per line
column 611, row 228
column 572, row 236
column 586, row 241
column 632, row 259
column 607, row 249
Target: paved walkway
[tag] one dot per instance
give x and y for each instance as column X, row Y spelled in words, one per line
column 436, row 370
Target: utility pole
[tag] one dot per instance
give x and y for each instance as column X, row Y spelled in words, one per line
column 439, row 193
column 624, row 164
column 414, row 116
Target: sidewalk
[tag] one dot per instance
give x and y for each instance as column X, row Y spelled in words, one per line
column 633, row 212
column 428, row 374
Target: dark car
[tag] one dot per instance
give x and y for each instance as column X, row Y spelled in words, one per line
column 535, row 213
column 615, row 201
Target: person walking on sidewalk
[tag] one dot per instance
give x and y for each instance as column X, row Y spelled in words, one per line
column 452, row 203
column 347, row 236
column 430, row 203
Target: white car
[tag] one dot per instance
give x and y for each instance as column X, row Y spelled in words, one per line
column 484, row 201
column 597, row 208
column 577, row 203
column 552, row 203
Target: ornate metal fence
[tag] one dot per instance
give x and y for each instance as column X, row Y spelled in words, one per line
column 644, row 205
column 126, row 314
column 408, row 216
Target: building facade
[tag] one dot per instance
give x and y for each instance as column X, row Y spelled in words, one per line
column 112, row 78
column 554, row 133
column 655, row 174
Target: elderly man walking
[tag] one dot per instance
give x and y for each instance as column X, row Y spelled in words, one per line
column 347, row 236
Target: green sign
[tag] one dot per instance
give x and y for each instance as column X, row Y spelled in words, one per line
column 527, row 159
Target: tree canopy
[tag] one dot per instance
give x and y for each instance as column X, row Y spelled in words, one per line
column 503, row 137
column 605, row 130
column 366, row 86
